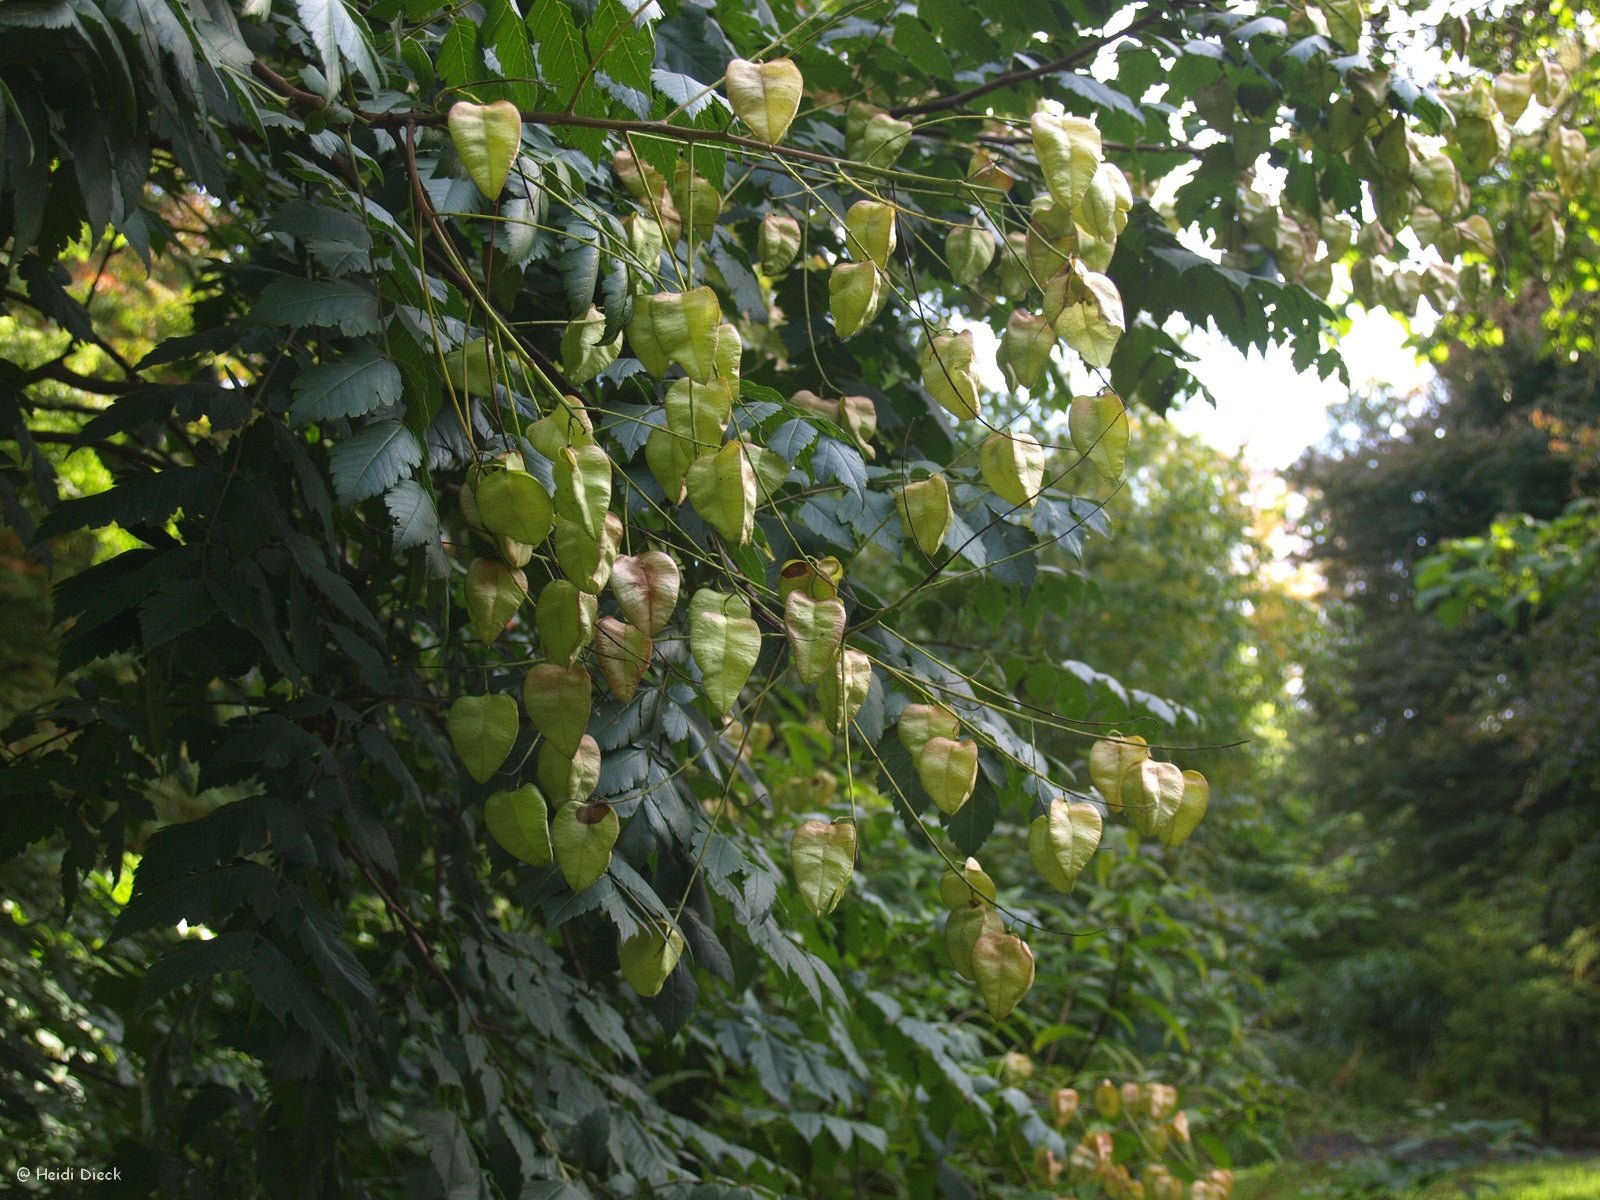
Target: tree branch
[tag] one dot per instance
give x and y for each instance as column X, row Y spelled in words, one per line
column 61, row 373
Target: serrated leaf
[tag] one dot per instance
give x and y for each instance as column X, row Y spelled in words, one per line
column 340, row 37
column 372, row 461
column 344, row 304
column 416, row 519
column 356, row 384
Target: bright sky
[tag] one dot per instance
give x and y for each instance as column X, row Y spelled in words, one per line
column 1271, row 413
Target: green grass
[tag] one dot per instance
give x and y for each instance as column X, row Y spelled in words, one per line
column 1558, row 1179
column 1545, row 1180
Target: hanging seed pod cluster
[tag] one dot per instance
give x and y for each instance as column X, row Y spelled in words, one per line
column 629, row 517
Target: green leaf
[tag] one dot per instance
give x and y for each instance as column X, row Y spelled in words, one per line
column 341, row 38
column 345, row 304
column 354, row 385
column 416, row 520
column 372, row 461
column 562, row 58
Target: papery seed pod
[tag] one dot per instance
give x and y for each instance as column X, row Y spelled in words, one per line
column 1152, row 792
column 948, row 769
column 558, row 701
column 1025, row 348
column 1013, row 466
column 816, row 633
column 1107, row 1100
column 567, row 424
column 1016, row 280
column 1062, row 841
column 818, row 579
column 471, row 367
column 1336, row 233
column 1191, row 809
column 494, row 593
column 646, row 588
column 1064, row 1105
column 520, row 822
column 722, row 488
column 565, row 620
column 582, row 836
column 969, row 249
column 985, row 171
column 1003, row 966
column 487, row 138
column 1086, row 310
column 1133, row 1100
column 648, row 957
column 583, row 487
column 1109, row 760
column 869, row 232
column 858, row 416
column 873, row 136
column 624, row 653
column 822, row 855
column 1051, row 240
column 569, row 777
column 919, row 722
column 1098, row 426
column 1162, row 1099
column 514, row 504
column 971, row 885
column 725, row 643
column 778, row 243
column 585, row 349
column 697, row 202
column 842, row 689
column 1016, row 1068
column 963, row 928
column 948, row 372
column 648, row 234
column 482, row 730
column 765, row 96
column 1436, row 178
column 587, row 561
column 926, row 513
column 1068, row 149
column 677, row 327
column 856, row 294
